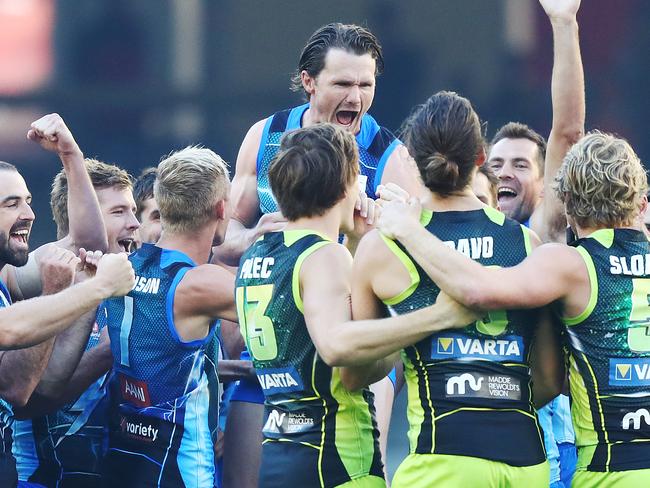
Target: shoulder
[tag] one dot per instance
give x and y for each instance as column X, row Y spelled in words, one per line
column 247, row 156
column 373, row 250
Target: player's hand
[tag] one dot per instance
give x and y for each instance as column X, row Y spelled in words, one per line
column 390, row 193
column 57, row 267
column 88, row 264
column 457, row 315
column 115, row 275
column 271, row 222
column 52, row 134
column 398, row 217
column 561, row 9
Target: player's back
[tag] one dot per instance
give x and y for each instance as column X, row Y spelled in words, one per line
column 469, row 390
column 316, row 433
column 375, row 144
column 159, row 432
column 610, row 354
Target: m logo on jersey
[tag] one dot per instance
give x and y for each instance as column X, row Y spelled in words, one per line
column 460, row 346
column 475, row 385
column 629, row 372
column 280, row 380
column 633, row 419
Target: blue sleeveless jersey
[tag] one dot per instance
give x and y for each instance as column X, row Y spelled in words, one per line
column 69, row 445
column 375, row 143
column 7, row 462
column 160, row 406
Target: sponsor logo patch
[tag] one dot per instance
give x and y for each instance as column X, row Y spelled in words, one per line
column 134, row 391
column 629, row 372
column 280, row 380
column 459, row 346
column 475, row 385
column 287, row 422
column 634, row 420
column 140, row 429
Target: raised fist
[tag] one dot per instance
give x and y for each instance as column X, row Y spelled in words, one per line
column 57, row 267
column 52, row 134
column 115, row 274
column 560, row 9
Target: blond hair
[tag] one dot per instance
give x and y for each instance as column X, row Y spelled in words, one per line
column 190, row 182
column 102, row 175
column 601, row 181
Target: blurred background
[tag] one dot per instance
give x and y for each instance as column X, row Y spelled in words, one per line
column 137, row 79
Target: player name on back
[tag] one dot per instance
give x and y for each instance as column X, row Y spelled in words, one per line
column 146, row 285
column 474, row 247
column 256, row 268
column 637, row 265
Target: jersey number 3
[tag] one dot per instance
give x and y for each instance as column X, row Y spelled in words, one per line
column 256, row 326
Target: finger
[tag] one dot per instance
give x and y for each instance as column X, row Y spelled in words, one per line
column 363, row 209
column 370, row 219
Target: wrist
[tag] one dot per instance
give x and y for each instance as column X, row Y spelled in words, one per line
column 97, row 289
column 71, row 156
column 564, row 21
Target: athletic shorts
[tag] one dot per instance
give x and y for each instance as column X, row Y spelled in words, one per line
column 440, row 470
column 635, row 478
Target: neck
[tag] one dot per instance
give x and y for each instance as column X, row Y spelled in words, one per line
column 586, row 231
column 196, row 244
column 327, row 224
column 462, row 200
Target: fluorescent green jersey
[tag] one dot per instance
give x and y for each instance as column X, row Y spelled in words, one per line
column 316, row 433
column 610, row 354
column 469, row 391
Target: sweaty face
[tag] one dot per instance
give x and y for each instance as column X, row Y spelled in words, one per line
column 343, row 91
column 514, row 162
column 118, row 211
column 150, row 227
column 482, row 189
column 16, row 219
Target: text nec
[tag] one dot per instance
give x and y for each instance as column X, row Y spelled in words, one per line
column 256, row 268
column 474, row 248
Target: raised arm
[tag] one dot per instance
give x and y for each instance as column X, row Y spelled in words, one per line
column 546, row 359
column 568, row 98
column 244, row 227
column 402, row 170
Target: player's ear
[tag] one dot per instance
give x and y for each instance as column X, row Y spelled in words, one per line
column 220, row 210
column 481, row 157
column 308, row 83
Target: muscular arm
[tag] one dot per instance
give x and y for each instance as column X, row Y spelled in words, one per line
column 568, row 98
column 242, row 228
column 205, row 293
column 342, row 342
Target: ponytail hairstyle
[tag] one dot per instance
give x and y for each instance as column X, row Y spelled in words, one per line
column 444, row 137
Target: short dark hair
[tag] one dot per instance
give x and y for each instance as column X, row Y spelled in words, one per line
column 4, row 166
column 102, row 175
column 444, row 137
column 517, row 130
column 313, row 169
column 348, row 37
column 493, row 181
column 143, row 188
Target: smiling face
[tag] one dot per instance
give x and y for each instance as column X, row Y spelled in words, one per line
column 118, row 210
column 150, row 228
column 344, row 89
column 16, row 217
column 514, row 162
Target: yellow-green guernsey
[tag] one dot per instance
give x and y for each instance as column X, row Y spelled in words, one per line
column 610, row 354
column 316, row 433
column 469, row 390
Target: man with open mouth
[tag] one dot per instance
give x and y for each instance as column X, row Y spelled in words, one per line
column 42, row 318
column 336, row 72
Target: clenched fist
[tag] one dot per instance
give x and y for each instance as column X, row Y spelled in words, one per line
column 115, row 273
column 52, row 134
column 57, row 267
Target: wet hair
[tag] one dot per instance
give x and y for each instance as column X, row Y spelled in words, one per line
column 444, row 137
column 348, row 37
column 516, row 130
column 313, row 170
column 601, row 181
column 143, row 189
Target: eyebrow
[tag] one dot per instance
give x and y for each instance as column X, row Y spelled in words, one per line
column 16, row 197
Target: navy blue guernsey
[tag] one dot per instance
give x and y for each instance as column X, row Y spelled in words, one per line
column 7, row 462
column 375, row 144
column 159, row 433
column 67, row 447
